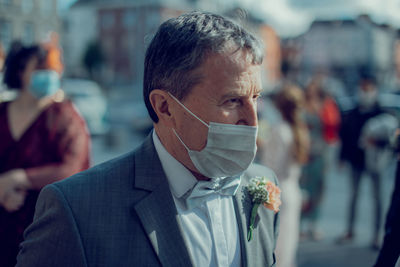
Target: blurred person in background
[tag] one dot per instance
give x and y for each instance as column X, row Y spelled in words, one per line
column 352, row 152
column 390, row 251
column 42, row 139
column 7, row 95
column 285, row 149
column 331, row 121
column 2, row 60
column 312, row 180
column 15, row 46
column 54, row 53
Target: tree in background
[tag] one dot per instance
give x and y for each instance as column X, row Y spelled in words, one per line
column 93, row 60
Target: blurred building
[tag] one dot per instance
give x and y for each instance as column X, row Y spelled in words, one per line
column 344, row 47
column 272, row 64
column 122, row 29
column 391, row 81
column 80, row 28
column 27, row 20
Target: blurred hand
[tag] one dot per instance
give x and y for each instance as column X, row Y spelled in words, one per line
column 14, row 200
column 13, row 182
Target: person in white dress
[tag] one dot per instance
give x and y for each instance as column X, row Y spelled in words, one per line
column 285, row 149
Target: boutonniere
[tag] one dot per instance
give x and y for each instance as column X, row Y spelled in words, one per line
column 262, row 192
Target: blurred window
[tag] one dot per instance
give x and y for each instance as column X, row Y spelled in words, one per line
column 5, row 32
column 46, row 7
column 152, row 20
column 6, row 2
column 129, row 19
column 27, row 6
column 107, row 21
column 28, row 34
column 108, row 44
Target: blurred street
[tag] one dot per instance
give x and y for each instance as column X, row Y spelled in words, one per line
column 327, row 254
column 333, row 218
column 324, row 253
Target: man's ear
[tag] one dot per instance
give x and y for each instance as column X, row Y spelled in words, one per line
column 160, row 101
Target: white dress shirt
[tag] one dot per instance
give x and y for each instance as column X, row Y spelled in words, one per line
column 210, row 230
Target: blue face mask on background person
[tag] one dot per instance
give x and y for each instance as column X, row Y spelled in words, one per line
column 44, row 83
column 229, row 151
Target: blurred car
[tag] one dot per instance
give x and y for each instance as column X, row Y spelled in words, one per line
column 132, row 114
column 90, row 101
column 141, row 119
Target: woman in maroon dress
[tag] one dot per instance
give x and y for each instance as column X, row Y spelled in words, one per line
column 42, row 140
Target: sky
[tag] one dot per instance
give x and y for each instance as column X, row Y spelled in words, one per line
column 293, row 17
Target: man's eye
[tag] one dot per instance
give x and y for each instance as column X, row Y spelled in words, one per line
column 234, row 101
column 256, row 97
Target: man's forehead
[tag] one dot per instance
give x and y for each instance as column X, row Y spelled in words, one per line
column 229, row 62
column 233, row 55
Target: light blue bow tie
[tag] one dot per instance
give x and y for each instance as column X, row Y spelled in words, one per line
column 202, row 189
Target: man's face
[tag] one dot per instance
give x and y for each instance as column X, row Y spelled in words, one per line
column 227, row 94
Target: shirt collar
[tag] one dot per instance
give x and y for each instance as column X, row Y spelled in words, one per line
column 180, row 179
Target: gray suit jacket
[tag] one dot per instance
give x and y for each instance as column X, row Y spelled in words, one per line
column 122, row 213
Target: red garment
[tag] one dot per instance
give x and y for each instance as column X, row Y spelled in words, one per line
column 55, row 146
column 330, row 117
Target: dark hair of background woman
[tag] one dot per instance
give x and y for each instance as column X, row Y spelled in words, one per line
column 16, row 62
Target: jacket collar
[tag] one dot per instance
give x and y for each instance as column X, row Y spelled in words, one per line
column 159, row 216
column 157, row 210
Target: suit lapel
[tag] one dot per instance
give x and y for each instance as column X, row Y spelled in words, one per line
column 260, row 250
column 157, row 210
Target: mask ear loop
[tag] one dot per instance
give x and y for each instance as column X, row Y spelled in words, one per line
column 194, row 115
column 180, row 140
column 190, row 112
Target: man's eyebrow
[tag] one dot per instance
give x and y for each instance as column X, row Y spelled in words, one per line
column 240, row 94
column 233, row 94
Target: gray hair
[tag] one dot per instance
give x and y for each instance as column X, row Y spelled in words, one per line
column 181, row 45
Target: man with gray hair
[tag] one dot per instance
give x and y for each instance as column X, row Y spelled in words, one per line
column 182, row 198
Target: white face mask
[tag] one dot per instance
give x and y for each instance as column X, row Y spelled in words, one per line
column 229, row 151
